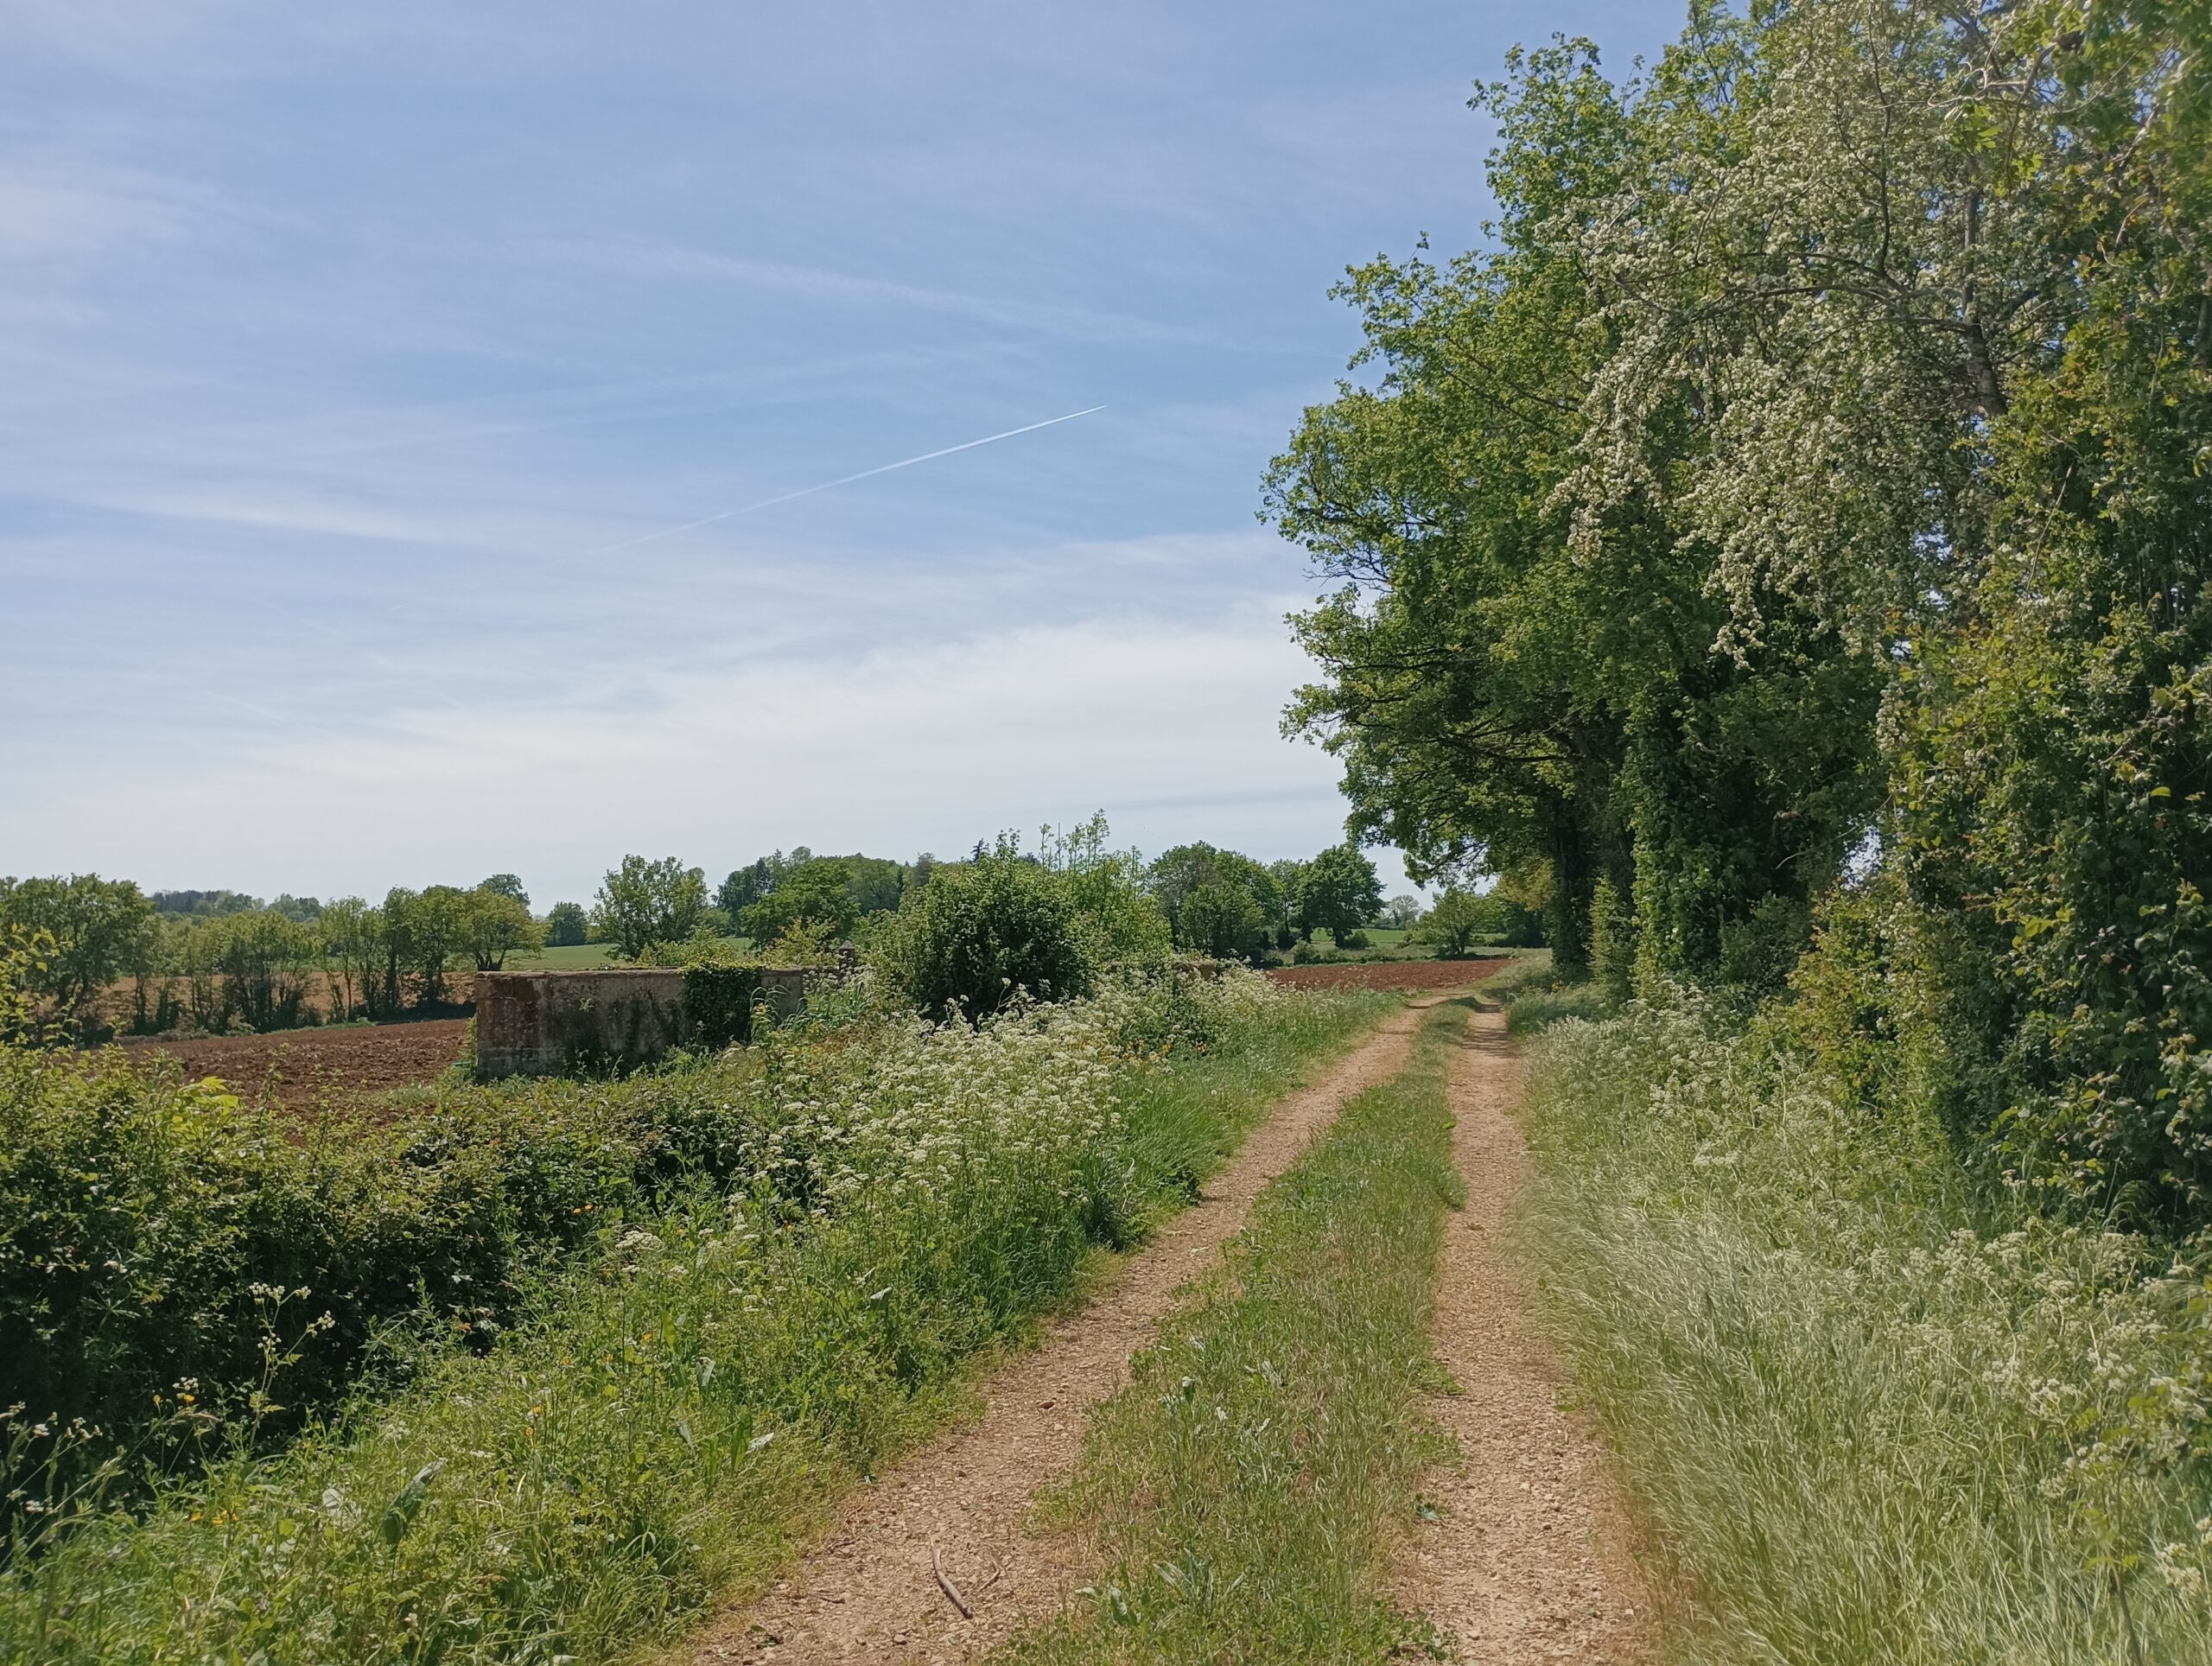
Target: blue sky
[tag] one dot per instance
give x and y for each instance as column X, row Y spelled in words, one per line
column 346, row 352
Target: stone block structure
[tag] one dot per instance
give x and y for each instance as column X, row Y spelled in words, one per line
column 583, row 1022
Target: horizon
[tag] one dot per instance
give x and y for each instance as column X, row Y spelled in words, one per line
column 443, row 444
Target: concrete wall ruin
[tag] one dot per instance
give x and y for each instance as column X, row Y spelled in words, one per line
column 569, row 1023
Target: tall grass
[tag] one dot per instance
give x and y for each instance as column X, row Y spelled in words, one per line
column 1243, row 1486
column 1873, row 1416
column 668, row 1411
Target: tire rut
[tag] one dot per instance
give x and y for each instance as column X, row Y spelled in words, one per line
column 1526, row 1557
column 960, row 1504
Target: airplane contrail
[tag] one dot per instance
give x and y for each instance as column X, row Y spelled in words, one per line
column 843, row 479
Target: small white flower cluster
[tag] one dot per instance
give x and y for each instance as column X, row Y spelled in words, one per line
column 2084, row 1356
column 897, row 1105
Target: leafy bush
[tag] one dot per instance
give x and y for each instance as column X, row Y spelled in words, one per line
column 985, row 933
column 156, row 1232
column 675, row 1398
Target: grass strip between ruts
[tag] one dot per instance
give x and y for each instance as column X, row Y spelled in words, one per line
column 1244, row 1487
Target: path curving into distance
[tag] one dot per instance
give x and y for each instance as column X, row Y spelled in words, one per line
column 961, row 1503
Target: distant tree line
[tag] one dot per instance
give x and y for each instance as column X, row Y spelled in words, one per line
column 111, row 956
column 114, row 959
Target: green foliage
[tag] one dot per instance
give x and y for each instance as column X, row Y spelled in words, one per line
column 986, row 932
column 1247, row 1482
column 1874, row 1413
column 21, row 957
column 875, row 885
column 566, row 926
column 1122, row 923
column 92, row 926
column 690, row 1386
column 1455, row 923
column 819, row 892
column 496, row 923
column 643, row 903
column 1612, row 942
column 1337, row 892
column 718, row 1004
column 1221, row 920
column 1646, row 511
column 1223, row 924
column 157, row 1230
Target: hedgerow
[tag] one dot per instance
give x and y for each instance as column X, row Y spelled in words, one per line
column 661, row 1406
column 1876, row 1410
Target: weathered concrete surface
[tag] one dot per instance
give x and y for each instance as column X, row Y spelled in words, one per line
column 549, row 1023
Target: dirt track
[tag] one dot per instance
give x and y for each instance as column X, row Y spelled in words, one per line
column 870, row 1594
column 1526, row 1561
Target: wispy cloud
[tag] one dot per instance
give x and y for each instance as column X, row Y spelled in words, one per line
column 933, row 745
column 858, row 290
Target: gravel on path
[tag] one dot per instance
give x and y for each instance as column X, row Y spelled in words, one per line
column 871, row 1592
column 1526, row 1557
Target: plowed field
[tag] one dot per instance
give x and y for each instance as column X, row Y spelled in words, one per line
column 1391, row 974
column 294, row 1068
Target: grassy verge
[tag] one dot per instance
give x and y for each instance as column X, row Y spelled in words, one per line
column 1873, row 1416
column 1244, row 1484
column 670, row 1408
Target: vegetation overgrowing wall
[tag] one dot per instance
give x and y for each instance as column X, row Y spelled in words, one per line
column 560, row 1023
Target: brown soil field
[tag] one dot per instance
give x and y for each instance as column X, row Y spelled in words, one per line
column 294, row 1068
column 1391, row 974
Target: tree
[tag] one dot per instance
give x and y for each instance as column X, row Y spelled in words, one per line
column 1177, row 875
column 437, row 931
column 982, row 932
column 1123, row 923
column 819, row 891
column 1643, row 514
column 566, row 925
column 352, row 935
column 1402, row 911
column 265, row 958
column 495, row 923
column 1220, row 918
column 1456, row 924
column 747, row 885
column 505, row 885
column 1518, row 664
column 1339, row 893
column 643, row 903
column 92, row 924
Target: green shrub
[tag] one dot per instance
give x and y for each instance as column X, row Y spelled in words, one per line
column 718, row 1004
column 158, row 1238
column 985, row 933
column 688, row 1386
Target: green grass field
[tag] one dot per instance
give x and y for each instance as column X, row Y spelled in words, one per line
column 568, row 958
